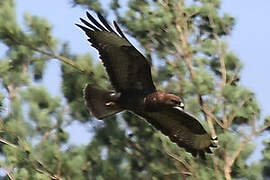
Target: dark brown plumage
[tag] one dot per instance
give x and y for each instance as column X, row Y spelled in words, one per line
column 130, row 76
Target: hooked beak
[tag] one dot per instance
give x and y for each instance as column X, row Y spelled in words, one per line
column 180, row 107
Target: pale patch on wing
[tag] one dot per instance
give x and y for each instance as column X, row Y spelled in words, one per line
column 178, row 108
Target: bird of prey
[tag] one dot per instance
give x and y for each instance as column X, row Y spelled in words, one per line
column 134, row 90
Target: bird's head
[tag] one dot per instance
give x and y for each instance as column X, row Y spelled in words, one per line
column 162, row 99
column 174, row 101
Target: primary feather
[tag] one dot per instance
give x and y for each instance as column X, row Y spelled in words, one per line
column 130, row 75
column 127, row 68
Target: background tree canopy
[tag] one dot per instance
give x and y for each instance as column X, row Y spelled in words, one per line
column 185, row 42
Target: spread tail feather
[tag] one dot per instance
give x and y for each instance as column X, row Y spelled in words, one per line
column 101, row 102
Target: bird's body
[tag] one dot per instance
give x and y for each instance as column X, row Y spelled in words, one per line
column 134, row 90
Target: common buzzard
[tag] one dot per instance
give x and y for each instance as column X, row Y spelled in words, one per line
column 130, row 76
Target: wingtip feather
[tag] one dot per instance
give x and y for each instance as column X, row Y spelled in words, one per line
column 119, row 30
column 105, row 23
column 85, row 29
column 89, row 25
column 94, row 21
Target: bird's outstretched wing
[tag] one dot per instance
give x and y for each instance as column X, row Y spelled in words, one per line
column 183, row 129
column 127, row 68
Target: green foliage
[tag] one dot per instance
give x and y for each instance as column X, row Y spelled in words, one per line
column 93, row 4
column 185, row 44
column 74, row 82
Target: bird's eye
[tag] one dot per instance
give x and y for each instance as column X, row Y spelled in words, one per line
column 175, row 102
column 178, row 103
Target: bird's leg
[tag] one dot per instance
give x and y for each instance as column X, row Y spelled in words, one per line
column 113, row 97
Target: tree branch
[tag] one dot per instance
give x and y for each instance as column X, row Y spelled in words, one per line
column 46, row 171
column 8, row 143
column 50, row 54
column 181, row 161
column 10, row 176
column 187, row 56
column 229, row 161
column 259, row 131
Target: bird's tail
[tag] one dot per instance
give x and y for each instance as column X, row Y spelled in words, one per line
column 101, row 102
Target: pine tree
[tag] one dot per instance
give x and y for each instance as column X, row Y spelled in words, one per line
column 185, row 43
column 266, row 155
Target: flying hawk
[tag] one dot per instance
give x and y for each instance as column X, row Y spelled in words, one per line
column 130, row 76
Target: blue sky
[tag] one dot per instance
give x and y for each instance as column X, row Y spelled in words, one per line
column 250, row 41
